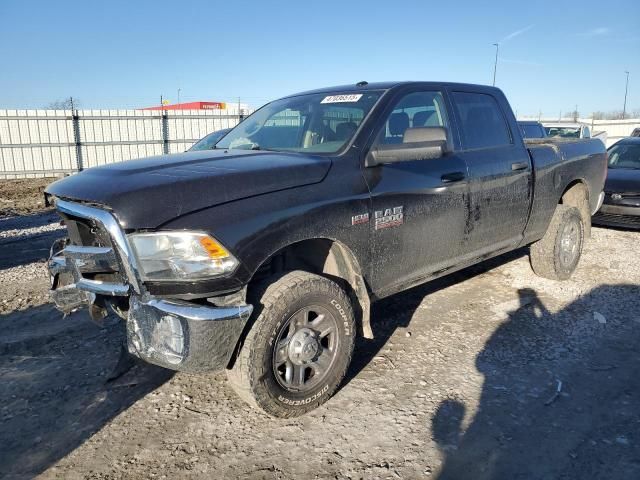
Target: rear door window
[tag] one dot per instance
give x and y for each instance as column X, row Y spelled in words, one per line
column 482, row 123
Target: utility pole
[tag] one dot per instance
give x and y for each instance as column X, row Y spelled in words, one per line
column 161, row 100
column 495, row 64
column 179, row 95
column 626, row 88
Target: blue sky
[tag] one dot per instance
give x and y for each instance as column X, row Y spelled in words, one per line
column 124, row 54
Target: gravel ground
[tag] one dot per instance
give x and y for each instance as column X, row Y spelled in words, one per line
column 490, row 373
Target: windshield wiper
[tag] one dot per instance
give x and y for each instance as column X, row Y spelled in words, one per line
column 255, row 146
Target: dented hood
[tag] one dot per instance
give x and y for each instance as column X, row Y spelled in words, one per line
column 148, row 192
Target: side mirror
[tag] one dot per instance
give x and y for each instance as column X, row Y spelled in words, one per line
column 418, row 143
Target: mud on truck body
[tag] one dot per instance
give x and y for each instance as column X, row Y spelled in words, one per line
column 263, row 256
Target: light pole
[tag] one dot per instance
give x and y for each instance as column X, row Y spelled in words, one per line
column 495, row 64
column 179, row 96
column 626, row 88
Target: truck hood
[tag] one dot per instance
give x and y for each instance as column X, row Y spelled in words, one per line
column 148, row 192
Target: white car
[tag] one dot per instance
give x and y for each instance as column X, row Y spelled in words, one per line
column 573, row 130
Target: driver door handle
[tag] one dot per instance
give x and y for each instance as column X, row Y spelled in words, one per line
column 519, row 166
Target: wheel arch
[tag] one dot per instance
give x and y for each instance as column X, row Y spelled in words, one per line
column 576, row 194
column 323, row 256
column 328, row 257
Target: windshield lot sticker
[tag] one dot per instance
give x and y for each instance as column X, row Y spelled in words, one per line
column 342, row 98
column 389, row 217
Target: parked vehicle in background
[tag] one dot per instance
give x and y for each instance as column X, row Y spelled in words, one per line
column 209, row 142
column 531, row 129
column 621, row 207
column 567, row 130
column 573, row 130
column 262, row 257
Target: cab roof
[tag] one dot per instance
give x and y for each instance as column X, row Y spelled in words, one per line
column 365, row 86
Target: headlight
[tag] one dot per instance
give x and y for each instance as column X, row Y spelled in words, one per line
column 180, row 256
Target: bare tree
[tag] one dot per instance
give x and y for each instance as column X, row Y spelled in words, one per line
column 614, row 115
column 66, row 104
column 574, row 114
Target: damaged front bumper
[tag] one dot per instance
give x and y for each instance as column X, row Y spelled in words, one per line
column 174, row 334
column 184, row 336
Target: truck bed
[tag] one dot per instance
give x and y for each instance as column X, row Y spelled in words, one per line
column 554, row 161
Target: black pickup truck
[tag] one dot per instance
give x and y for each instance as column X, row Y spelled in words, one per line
column 263, row 256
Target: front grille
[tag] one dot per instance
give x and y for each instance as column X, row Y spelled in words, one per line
column 91, row 254
column 85, row 232
column 631, row 220
column 624, row 194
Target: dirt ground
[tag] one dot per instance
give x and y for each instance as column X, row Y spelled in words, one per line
column 492, row 373
column 22, row 196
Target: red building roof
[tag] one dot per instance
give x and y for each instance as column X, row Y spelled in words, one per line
column 191, row 106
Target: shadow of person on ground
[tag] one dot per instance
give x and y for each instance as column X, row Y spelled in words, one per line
column 54, row 393
column 561, row 394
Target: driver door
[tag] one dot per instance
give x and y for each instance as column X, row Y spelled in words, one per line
column 420, row 206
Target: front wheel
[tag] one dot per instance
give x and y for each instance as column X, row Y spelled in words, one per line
column 298, row 349
column 556, row 255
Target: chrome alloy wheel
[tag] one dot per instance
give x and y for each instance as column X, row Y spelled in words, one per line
column 569, row 243
column 306, row 348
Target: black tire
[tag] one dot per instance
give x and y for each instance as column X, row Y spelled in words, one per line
column 286, row 307
column 556, row 255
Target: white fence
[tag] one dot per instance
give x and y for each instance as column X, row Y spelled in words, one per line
column 41, row 143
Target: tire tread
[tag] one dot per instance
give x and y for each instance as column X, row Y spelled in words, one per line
column 244, row 374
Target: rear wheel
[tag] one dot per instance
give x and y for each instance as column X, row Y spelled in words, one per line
column 556, row 255
column 299, row 347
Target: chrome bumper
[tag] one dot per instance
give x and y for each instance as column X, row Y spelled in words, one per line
column 183, row 336
column 174, row 334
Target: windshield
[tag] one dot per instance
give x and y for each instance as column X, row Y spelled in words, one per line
column 625, row 156
column 565, row 132
column 315, row 123
column 209, row 142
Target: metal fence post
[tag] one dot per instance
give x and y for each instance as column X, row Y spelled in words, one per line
column 165, row 132
column 75, row 120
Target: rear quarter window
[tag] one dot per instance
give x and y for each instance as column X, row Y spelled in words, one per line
column 482, row 123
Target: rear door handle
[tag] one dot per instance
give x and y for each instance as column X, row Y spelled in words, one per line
column 452, row 177
column 519, row 166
